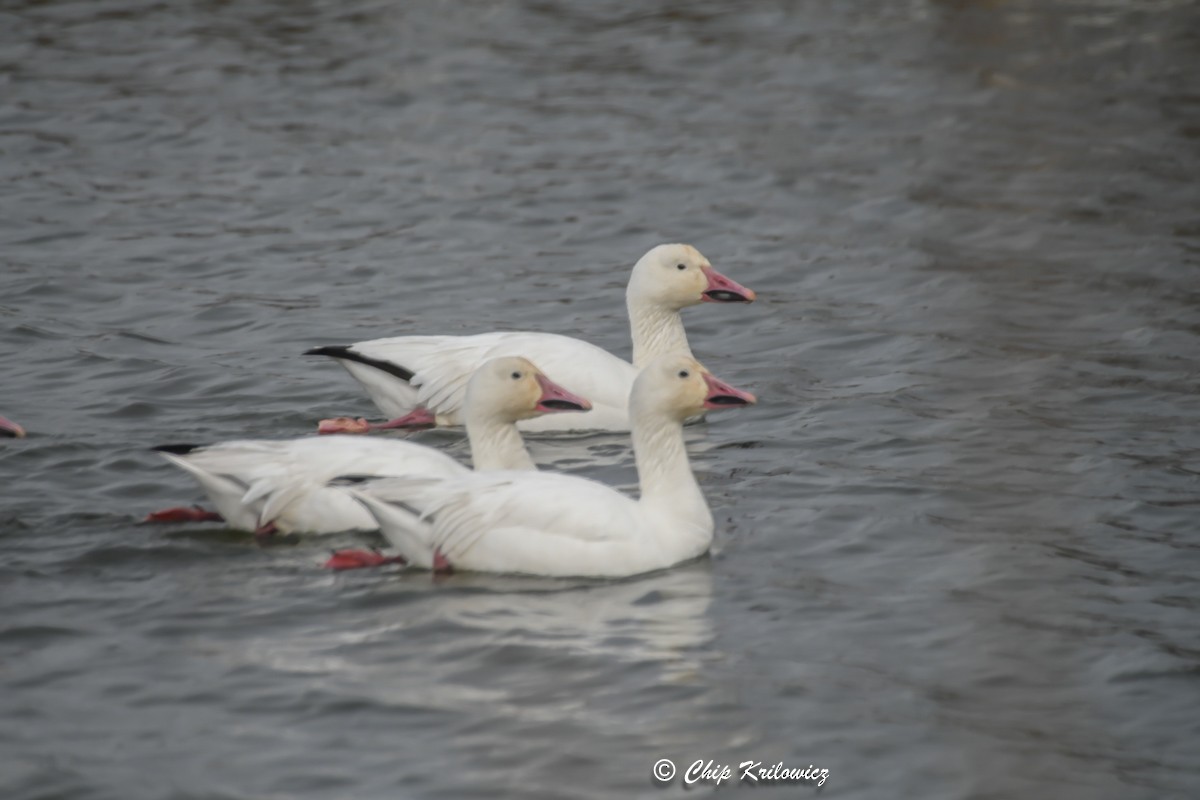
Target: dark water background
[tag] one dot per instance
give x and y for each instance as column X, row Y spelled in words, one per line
column 956, row 552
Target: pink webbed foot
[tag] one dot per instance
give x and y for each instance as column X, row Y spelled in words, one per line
column 265, row 533
column 360, row 559
column 441, row 564
column 184, row 514
column 417, row 418
column 343, row 425
column 414, row 420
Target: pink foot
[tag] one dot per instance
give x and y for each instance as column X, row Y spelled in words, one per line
column 184, row 514
column 417, row 418
column 263, row 533
column 342, row 425
column 360, row 559
column 441, row 563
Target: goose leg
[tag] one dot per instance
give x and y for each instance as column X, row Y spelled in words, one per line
column 264, row 533
column 360, row 559
column 441, row 564
column 184, row 514
column 415, row 419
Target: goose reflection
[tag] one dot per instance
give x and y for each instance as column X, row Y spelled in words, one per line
column 506, row 641
column 662, row 617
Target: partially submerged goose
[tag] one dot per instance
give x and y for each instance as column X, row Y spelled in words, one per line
column 10, row 429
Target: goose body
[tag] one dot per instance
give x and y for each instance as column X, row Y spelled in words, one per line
column 561, row 525
column 252, row 483
column 440, row 367
column 425, row 375
column 286, row 484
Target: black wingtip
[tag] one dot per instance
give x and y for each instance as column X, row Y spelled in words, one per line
column 344, row 351
column 333, row 350
column 176, row 449
column 353, row 480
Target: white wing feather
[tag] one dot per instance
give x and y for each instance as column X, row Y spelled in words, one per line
column 498, row 507
column 442, row 365
column 263, row 480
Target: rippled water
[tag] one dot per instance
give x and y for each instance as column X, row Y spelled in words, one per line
column 956, row 552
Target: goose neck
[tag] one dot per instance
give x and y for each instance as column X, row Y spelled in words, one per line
column 496, row 445
column 655, row 330
column 664, row 471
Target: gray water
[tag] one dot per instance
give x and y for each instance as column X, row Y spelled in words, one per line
column 956, row 553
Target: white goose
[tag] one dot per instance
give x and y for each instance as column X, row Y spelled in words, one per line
column 271, row 486
column 10, row 429
column 560, row 525
column 420, row 380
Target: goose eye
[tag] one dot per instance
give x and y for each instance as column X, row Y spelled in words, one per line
column 681, row 267
column 683, row 373
column 516, row 376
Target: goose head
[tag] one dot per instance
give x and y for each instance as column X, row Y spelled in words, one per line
column 10, row 429
column 681, row 387
column 675, row 276
column 512, row 388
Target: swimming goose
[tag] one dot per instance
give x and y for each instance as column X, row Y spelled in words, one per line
column 420, row 380
column 10, row 429
column 282, row 486
column 549, row 524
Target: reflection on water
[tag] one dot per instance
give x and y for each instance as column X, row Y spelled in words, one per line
column 661, row 619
